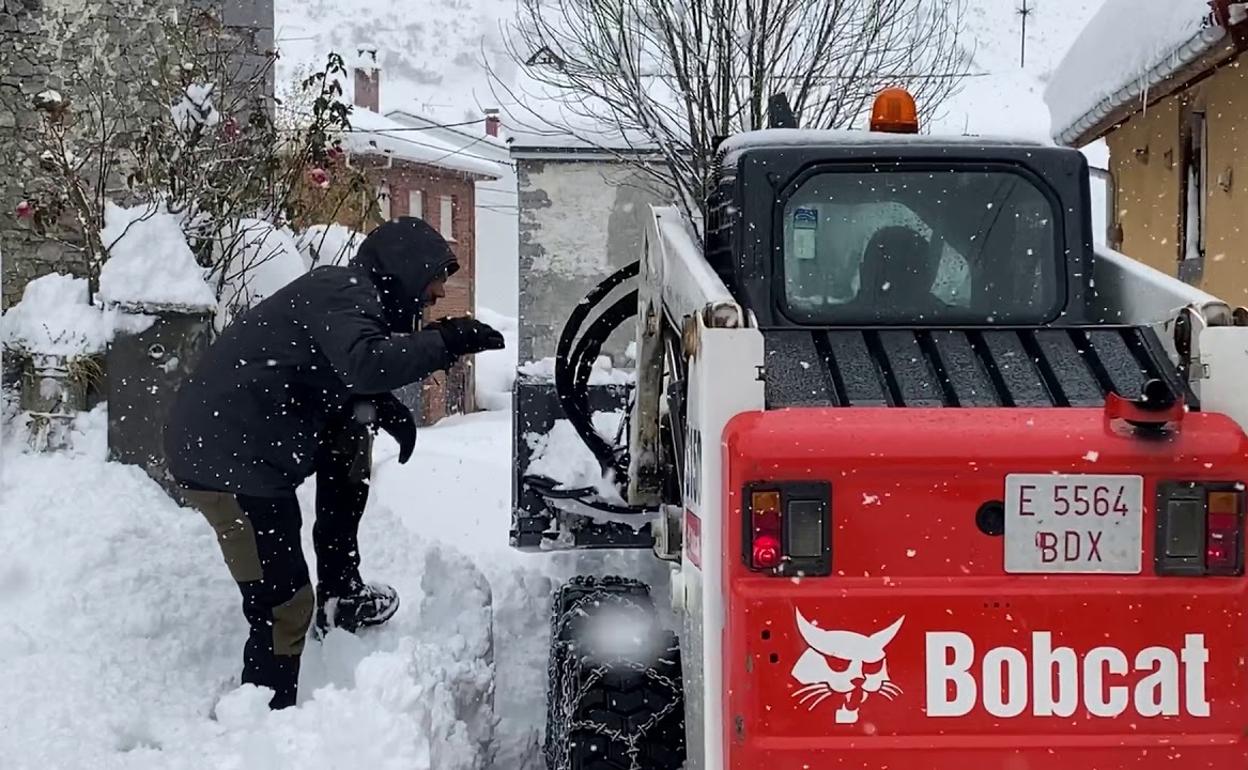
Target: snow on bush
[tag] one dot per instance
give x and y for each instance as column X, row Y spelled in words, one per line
column 149, row 261
column 195, row 109
column 328, row 245
column 496, row 369
column 266, row 258
column 54, row 318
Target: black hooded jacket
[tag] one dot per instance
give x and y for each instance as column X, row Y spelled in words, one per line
column 249, row 418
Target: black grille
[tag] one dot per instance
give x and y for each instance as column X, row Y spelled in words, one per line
column 1047, row 367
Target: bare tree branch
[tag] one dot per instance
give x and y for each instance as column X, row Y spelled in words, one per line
column 668, row 77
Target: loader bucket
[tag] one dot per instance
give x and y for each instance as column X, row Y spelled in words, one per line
column 536, row 524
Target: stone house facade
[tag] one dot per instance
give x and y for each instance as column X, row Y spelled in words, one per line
column 42, row 42
column 580, row 221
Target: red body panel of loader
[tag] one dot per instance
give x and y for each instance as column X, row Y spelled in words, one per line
column 920, row 649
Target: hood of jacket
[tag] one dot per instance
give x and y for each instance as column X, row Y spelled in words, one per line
column 403, row 257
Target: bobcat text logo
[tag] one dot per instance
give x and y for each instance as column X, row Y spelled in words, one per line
column 1059, row 682
column 844, row 666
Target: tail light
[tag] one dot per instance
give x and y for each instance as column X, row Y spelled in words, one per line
column 787, row 528
column 1200, row 529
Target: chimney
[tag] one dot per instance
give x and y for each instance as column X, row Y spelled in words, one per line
column 492, row 121
column 367, row 80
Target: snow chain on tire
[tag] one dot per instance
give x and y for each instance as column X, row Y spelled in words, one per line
column 614, row 714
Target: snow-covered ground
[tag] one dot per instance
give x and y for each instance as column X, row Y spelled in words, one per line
column 122, row 630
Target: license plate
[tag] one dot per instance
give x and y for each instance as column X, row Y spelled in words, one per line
column 1073, row 524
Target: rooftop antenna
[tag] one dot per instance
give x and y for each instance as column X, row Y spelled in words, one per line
column 1025, row 11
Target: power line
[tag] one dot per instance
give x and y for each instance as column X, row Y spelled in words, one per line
column 405, row 129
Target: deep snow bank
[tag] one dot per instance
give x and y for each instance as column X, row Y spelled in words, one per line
column 496, row 369
column 122, row 629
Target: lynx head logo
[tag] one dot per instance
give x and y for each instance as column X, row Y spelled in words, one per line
column 844, row 666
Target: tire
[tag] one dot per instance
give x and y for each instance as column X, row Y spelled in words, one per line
column 608, row 710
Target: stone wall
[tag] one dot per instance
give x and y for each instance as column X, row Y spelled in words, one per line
column 42, row 44
column 580, row 221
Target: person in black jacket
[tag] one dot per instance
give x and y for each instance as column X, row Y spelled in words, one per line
column 289, row 390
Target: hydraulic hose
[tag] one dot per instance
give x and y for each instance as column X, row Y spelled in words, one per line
column 572, row 391
column 574, row 363
column 584, row 356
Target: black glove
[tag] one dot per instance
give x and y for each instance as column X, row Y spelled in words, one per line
column 465, row 336
column 396, row 419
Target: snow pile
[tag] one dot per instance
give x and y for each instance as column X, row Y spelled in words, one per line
column 195, row 109
column 562, row 455
column 1130, row 47
column 124, row 634
column 603, row 373
column 328, row 245
column 496, row 369
column 264, row 259
column 149, row 262
column 54, row 318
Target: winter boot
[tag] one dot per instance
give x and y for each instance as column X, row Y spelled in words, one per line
column 365, row 605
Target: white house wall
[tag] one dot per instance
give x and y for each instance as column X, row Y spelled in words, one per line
column 579, row 222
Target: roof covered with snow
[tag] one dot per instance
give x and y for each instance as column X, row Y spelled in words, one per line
column 795, row 137
column 1126, row 52
column 379, row 135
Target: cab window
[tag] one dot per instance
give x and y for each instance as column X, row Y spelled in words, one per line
column 920, row 247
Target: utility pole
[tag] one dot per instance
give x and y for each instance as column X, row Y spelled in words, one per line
column 1025, row 12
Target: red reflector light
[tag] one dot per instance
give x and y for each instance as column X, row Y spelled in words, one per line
column 766, row 552
column 1200, row 529
column 1222, row 539
column 786, row 528
column 766, row 527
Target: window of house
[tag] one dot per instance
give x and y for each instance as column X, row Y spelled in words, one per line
column 446, row 222
column 383, row 201
column 416, row 203
column 1196, row 163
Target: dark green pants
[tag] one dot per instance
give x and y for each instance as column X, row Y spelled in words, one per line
column 260, row 540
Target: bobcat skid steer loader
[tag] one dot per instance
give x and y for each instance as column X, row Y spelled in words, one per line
column 939, row 484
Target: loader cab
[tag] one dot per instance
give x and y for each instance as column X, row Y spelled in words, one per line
column 889, row 228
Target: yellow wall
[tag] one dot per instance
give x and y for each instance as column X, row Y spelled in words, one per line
column 1148, row 188
column 1226, row 262
column 1149, row 194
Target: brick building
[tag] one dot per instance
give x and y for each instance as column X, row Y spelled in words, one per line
column 420, row 174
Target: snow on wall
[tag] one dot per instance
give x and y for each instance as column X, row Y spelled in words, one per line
column 1126, row 49
column 149, row 261
column 54, row 318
